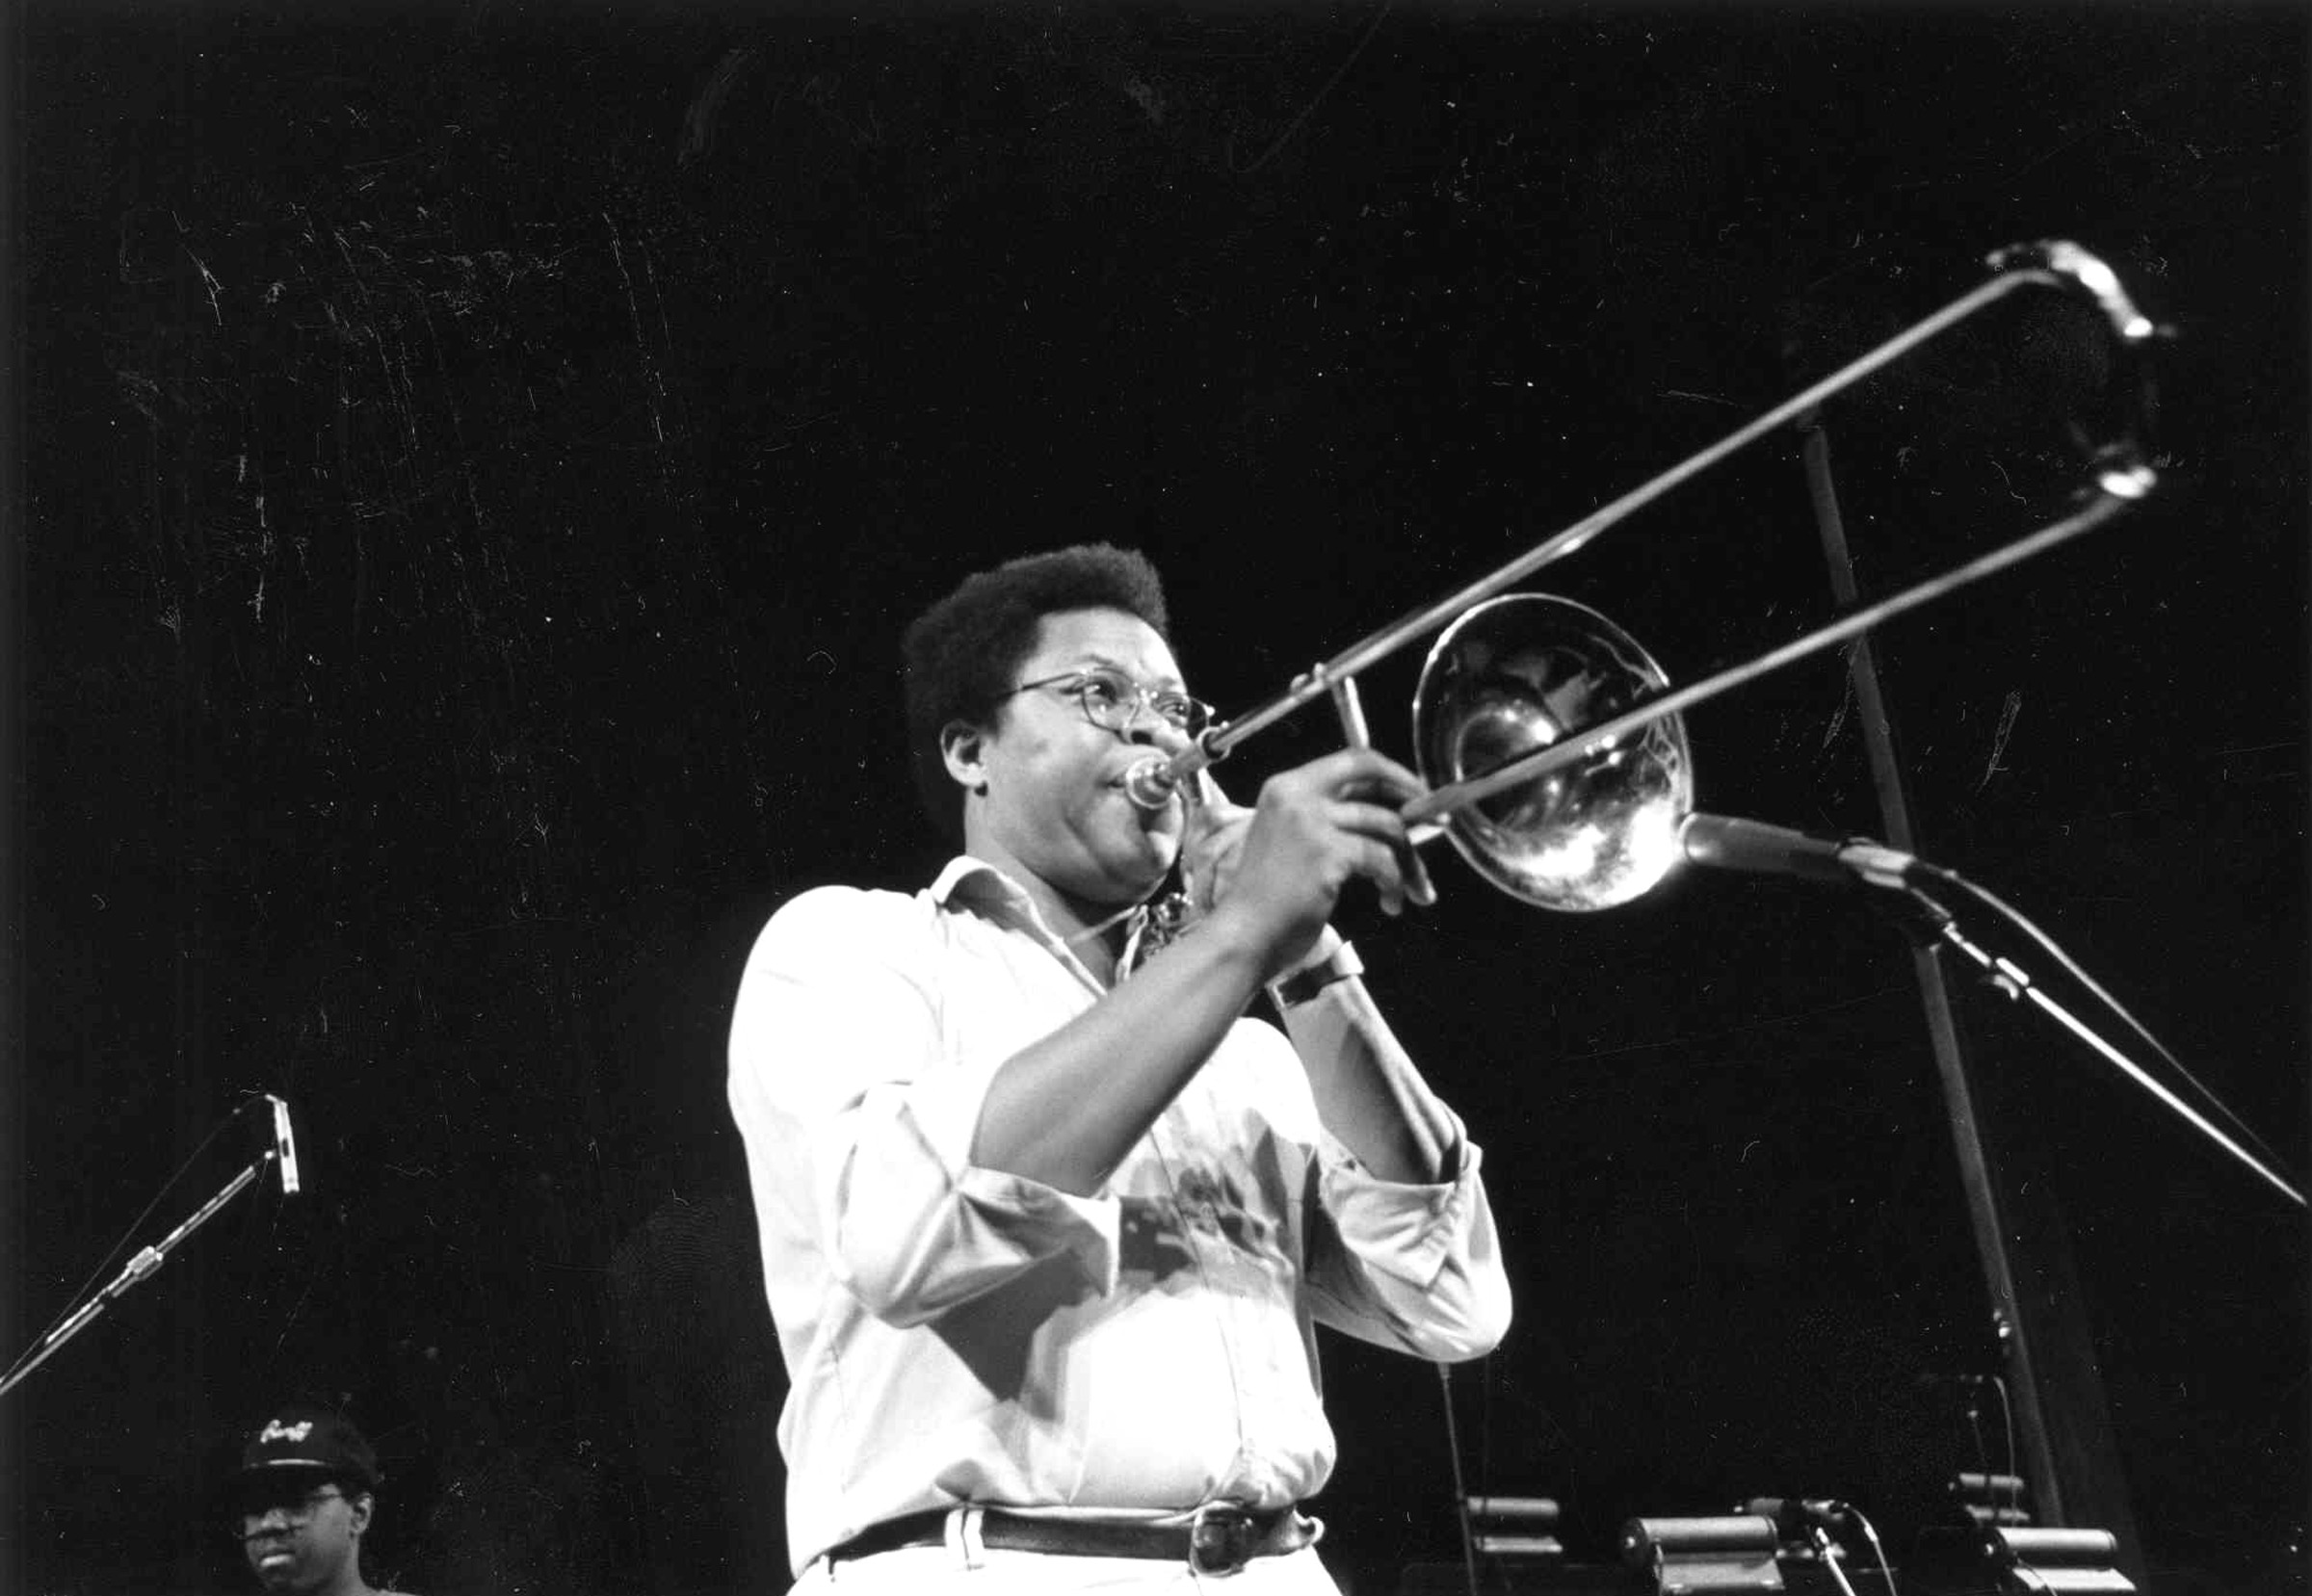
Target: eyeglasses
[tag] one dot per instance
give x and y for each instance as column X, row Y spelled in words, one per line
column 296, row 1512
column 1111, row 700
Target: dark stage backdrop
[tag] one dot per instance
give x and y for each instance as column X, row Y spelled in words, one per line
column 476, row 462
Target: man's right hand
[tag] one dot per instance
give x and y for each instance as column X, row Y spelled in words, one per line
column 1278, row 869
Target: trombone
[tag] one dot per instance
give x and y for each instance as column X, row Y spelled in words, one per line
column 1552, row 744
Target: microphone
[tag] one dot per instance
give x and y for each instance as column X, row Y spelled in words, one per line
column 1723, row 843
column 284, row 1143
column 1799, row 1518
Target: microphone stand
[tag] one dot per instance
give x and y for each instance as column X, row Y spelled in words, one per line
column 143, row 1265
column 2010, row 981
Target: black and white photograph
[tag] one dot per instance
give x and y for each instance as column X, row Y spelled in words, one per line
column 959, row 797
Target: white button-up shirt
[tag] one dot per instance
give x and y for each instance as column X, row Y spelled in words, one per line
column 955, row 1334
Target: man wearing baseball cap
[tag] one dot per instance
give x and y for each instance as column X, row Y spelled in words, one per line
column 302, row 1500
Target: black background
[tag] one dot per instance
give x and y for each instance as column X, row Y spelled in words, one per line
column 476, row 460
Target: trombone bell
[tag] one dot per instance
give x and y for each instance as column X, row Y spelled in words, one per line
column 1524, row 671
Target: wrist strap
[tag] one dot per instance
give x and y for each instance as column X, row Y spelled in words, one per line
column 1301, row 985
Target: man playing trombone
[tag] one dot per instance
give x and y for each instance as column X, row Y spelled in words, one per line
column 1047, row 1224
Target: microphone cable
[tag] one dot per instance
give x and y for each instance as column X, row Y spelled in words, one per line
column 2014, row 918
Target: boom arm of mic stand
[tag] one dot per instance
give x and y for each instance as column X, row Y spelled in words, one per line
column 2014, row 982
column 145, row 1263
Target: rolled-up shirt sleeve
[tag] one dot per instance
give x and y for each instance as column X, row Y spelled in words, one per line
column 857, row 1109
column 1411, row 1266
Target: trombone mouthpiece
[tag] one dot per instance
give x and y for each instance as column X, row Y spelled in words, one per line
column 1151, row 784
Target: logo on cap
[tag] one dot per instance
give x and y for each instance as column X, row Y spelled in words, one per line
column 276, row 1430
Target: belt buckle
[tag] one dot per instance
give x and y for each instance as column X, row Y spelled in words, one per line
column 1220, row 1536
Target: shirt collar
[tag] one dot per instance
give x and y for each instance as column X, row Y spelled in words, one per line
column 978, row 886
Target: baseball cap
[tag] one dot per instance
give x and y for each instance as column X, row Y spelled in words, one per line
column 312, row 1439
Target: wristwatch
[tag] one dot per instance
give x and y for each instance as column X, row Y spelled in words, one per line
column 1307, row 982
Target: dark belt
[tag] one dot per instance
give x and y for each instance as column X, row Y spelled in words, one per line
column 1220, row 1539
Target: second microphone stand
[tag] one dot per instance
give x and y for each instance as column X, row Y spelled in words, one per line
column 140, row 1268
